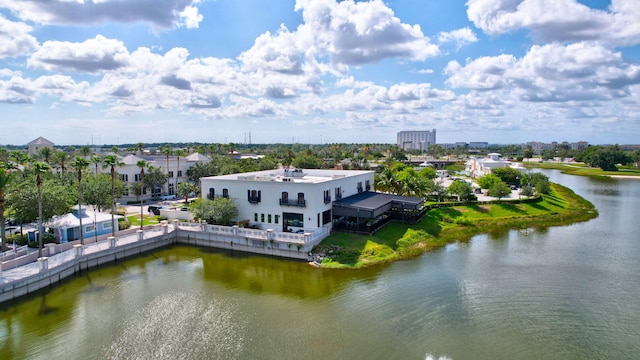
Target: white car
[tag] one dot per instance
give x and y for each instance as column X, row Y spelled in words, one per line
column 12, row 230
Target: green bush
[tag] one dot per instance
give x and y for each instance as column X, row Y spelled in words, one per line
column 123, row 224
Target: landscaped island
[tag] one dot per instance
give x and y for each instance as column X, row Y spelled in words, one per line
column 444, row 225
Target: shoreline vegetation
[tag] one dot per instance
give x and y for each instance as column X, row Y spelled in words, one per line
column 582, row 169
column 445, row 225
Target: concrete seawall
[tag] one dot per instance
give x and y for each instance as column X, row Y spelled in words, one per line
column 76, row 263
column 49, row 271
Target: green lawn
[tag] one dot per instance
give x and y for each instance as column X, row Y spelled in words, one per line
column 583, row 169
column 134, row 220
column 444, row 225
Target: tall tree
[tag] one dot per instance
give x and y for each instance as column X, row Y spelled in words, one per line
column 96, row 160
column 139, row 147
column 40, row 168
column 141, row 164
column 185, row 188
column 45, row 154
column 5, row 180
column 178, row 153
column 61, row 159
column 112, row 161
column 80, row 164
column 167, row 151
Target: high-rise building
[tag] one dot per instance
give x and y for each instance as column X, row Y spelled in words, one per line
column 420, row 140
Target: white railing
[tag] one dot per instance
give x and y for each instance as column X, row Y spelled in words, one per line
column 66, row 255
column 257, row 234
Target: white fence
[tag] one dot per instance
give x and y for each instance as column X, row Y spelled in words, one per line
column 258, row 234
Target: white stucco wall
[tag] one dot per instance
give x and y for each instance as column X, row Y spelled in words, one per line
column 271, row 193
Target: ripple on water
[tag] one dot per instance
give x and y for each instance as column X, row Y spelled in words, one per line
column 179, row 325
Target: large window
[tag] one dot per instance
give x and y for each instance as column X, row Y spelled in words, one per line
column 326, row 217
column 106, row 225
column 327, row 196
column 170, row 174
column 225, row 193
column 300, row 198
column 338, row 193
column 212, row 193
column 293, row 219
column 359, row 186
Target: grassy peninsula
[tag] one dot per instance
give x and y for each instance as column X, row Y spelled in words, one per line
column 583, row 169
column 450, row 224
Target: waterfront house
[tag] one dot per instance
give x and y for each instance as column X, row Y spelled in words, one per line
column 309, row 200
column 67, row 227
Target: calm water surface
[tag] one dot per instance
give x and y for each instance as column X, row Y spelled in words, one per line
column 548, row 293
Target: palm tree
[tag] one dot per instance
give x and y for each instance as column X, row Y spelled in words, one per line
column 45, row 154
column 166, row 150
column 139, row 147
column 61, row 158
column 96, row 160
column 80, row 164
column 40, row 168
column 112, row 162
column 5, row 179
column 178, row 153
column 141, row 164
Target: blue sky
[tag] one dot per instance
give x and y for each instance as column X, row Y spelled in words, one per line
column 503, row 71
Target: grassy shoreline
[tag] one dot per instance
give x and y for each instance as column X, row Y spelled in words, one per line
column 452, row 224
column 581, row 169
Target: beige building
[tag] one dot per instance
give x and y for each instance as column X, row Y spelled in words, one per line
column 38, row 144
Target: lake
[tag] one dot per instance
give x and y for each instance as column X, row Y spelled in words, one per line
column 569, row 292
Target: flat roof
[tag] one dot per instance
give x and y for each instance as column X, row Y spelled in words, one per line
column 310, row 176
column 373, row 200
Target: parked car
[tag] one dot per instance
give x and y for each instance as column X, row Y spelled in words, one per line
column 12, row 230
column 167, row 197
column 154, row 209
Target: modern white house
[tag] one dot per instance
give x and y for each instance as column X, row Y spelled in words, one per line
column 311, row 201
column 288, row 200
column 67, row 227
column 477, row 167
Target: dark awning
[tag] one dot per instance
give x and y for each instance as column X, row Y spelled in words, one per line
column 370, row 205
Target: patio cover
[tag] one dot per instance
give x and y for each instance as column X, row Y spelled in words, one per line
column 369, row 205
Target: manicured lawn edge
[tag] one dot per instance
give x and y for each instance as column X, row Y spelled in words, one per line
column 582, row 169
column 451, row 224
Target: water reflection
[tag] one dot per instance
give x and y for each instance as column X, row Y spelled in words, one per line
column 567, row 292
column 259, row 274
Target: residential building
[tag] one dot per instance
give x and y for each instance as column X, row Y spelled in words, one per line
column 477, row 167
column 67, row 227
column 286, row 200
column 35, row 146
column 420, row 140
column 177, row 170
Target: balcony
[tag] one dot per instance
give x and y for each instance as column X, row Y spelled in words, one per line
column 298, row 203
column 254, row 199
